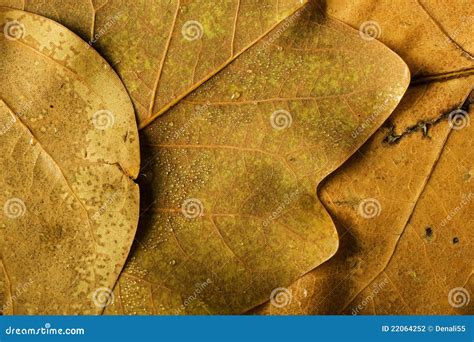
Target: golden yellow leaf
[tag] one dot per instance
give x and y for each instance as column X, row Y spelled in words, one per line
column 230, row 173
column 69, row 152
column 164, row 49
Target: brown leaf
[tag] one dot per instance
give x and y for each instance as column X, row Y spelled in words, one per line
column 430, row 267
column 402, row 257
column 416, row 170
column 432, row 37
column 69, row 152
column 229, row 178
column 164, row 49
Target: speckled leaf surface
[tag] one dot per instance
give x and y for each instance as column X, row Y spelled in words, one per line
column 164, row 49
column 430, row 269
column 414, row 255
column 230, row 211
column 414, row 243
column 69, row 152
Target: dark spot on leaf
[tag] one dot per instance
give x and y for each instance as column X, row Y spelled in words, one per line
column 428, row 232
column 455, row 240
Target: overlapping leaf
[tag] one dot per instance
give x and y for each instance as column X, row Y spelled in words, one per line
column 164, row 49
column 230, row 211
column 432, row 37
column 411, row 254
column 69, row 148
column 402, row 254
column 230, row 173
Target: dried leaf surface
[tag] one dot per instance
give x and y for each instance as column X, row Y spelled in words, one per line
column 230, row 207
column 401, row 252
column 411, row 258
column 164, row 49
column 431, row 266
column 69, row 153
column 432, row 37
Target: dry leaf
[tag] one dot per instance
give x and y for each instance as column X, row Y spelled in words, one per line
column 399, row 252
column 69, row 153
column 411, row 257
column 432, row 37
column 229, row 177
column 431, row 263
column 164, row 49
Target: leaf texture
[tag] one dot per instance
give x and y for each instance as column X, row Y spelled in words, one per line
column 230, row 210
column 69, row 154
column 412, row 256
column 164, row 49
column 406, row 259
column 432, row 37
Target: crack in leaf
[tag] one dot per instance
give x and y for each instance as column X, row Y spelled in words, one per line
column 424, row 126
